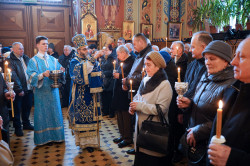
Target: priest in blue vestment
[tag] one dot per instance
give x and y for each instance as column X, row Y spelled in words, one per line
column 84, row 110
column 48, row 119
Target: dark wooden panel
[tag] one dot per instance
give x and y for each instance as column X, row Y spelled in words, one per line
column 12, row 19
column 50, row 20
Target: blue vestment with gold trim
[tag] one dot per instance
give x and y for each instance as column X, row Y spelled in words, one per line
column 84, row 111
column 48, row 120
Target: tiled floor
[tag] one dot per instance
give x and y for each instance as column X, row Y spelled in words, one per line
column 67, row 154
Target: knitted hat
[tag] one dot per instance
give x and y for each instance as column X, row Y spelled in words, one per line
column 220, row 49
column 166, row 56
column 157, row 59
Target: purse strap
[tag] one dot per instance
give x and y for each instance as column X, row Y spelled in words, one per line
column 161, row 115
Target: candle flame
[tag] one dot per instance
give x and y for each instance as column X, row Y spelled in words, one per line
column 6, row 63
column 131, row 82
column 9, row 70
column 114, row 62
column 121, row 64
column 220, row 104
column 179, row 69
column 143, row 69
column 166, row 38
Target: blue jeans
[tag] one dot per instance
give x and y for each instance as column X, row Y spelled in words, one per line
column 22, row 107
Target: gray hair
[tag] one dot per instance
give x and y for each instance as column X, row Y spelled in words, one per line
column 68, row 46
column 180, row 44
column 15, row 43
column 129, row 46
column 156, row 47
column 166, row 49
column 122, row 48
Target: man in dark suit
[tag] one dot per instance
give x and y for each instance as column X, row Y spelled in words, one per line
column 22, row 105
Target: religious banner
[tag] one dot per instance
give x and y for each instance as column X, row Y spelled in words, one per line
column 146, row 11
column 110, row 14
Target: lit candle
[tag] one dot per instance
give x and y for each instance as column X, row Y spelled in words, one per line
column 179, row 74
column 219, row 120
column 114, row 63
column 5, row 69
column 175, row 59
column 131, row 90
column 9, row 73
column 122, row 69
column 143, row 73
column 166, row 41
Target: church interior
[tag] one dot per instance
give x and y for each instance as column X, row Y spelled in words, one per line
column 161, row 21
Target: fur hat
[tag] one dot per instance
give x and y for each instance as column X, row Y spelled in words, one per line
column 157, row 59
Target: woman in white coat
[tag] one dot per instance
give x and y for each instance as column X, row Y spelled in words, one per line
column 154, row 89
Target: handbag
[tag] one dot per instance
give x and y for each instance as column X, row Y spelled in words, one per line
column 6, row 157
column 154, row 135
column 197, row 153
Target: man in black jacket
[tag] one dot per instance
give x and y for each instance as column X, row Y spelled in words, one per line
column 142, row 48
column 179, row 57
column 120, row 101
column 64, row 60
column 23, row 102
column 236, row 115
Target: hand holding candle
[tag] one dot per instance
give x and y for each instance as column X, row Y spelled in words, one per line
column 131, row 91
column 219, row 120
column 179, row 74
column 122, row 69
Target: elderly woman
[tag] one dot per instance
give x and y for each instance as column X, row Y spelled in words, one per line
column 154, row 89
column 208, row 92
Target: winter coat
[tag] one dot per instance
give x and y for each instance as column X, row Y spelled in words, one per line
column 120, row 99
column 107, row 71
column 18, row 74
column 205, row 102
column 236, row 123
column 193, row 75
column 157, row 90
column 135, row 73
column 65, row 62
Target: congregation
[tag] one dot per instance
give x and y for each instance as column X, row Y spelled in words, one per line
column 134, row 82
